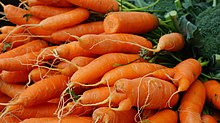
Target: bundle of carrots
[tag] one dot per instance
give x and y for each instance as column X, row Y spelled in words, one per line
column 59, row 66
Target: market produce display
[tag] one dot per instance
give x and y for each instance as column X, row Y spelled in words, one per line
column 110, row 61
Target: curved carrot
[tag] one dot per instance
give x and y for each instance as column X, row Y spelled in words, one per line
column 66, row 19
column 107, row 115
column 70, row 50
column 109, row 43
column 130, row 71
column 32, row 46
column 212, row 92
column 14, row 77
column 47, row 11
column 78, row 30
column 192, row 103
column 208, row 119
column 141, row 92
column 90, row 73
column 164, row 116
column 68, row 119
column 130, row 22
column 102, row 6
column 11, row 90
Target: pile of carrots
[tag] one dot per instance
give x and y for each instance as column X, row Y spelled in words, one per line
column 59, row 66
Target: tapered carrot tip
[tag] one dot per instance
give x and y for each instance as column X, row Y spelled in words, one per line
column 130, row 22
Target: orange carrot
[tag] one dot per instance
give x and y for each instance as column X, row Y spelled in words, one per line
column 130, row 71
column 3, row 99
column 192, row 103
column 164, row 116
column 19, row 16
column 141, row 92
column 11, row 29
column 70, row 50
column 68, row 119
column 45, row 11
column 78, row 30
column 59, row 3
column 208, row 119
column 109, row 43
column 212, row 92
column 32, row 46
column 171, row 42
column 140, row 22
column 50, row 88
column 37, row 111
column 11, row 90
column 64, row 20
column 102, row 6
column 14, row 76
column 90, row 73
column 106, row 115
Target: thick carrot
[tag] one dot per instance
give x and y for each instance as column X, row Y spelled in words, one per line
column 141, row 92
column 212, row 92
column 164, row 116
column 107, row 115
column 18, row 15
column 109, row 43
column 130, row 71
column 47, row 11
column 171, row 42
column 14, row 76
column 192, row 103
column 32, row 46
column 130, row 22
column 208, row 119
column 78, row 30
column 89, row 73
column 3, row 99
column 37, row 111
column 64, row 20
column 68, row 119
column 70, row 50
column 11, row 90
column 50, row 88
column 102, row 6
column 59, row 3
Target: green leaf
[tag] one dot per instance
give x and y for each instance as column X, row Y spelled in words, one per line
column 27, row 16
column 6, row 45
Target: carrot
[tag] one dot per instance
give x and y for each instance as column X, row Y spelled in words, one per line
column 75, row 64
column 192, row 103
column 66, row 19
column 3, row 99
column 102, row 6
column 130, row 71
column 37, row 111
column 10, row 119
column 11, row 29
column 14, row 76
column 59, row 3
column 130, row 22
column 68, row 119
column 45, row 11
column 18, row 15
column 50, row 87
column 141, row 92
column 212, row 93
column 78, row 30
column 11, row 90
column 89, row 73
column 32, row 46
column 70, row 50
column 106, row 115
column 208, row 119
column 164, row 116
column 108, row 43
